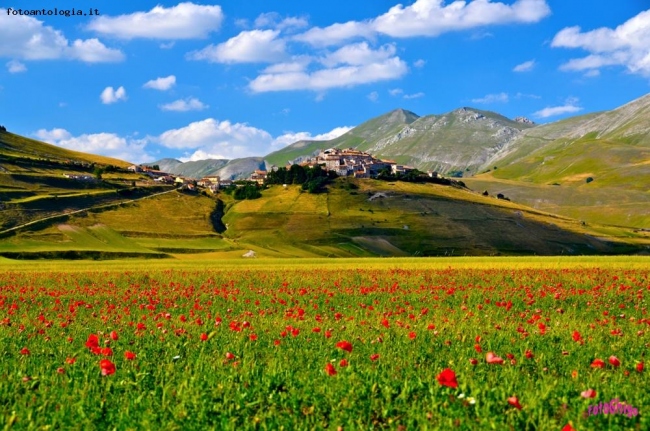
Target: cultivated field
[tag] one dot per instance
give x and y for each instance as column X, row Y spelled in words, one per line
column 463, row 343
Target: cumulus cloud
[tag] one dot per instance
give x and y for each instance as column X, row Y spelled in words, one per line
column 211, row 138
column 161, row 84
column 526, row 66
column 105, row 144
column 183, row 21
column 570, row 106
column 275, row 21
column 419, row 63
column 492, row 98
column 15, row 66
column 183, row 105
column 373, row 97
column 414, row 95
column 430, row 18
column 627, row 45
column 255, row 46
column 358, row 54
column 110, row 95
column 395, row 91
column 27, row 38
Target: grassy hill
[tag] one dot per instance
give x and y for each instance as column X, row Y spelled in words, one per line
column 594, row 167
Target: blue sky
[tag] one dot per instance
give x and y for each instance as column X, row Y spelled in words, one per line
column 146, row 80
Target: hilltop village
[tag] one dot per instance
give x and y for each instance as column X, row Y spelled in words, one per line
column 344, row 162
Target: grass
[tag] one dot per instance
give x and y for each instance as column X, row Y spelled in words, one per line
column 264, row 365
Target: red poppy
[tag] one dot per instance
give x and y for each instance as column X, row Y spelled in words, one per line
column 107, row 367
column 374, row 356
column 412, row 335
column 577, row 337
column 639, row 367
column 129, row 355
column 93, row 341
column 529, row 354
column 70, row 360
column 491, row 358
column 106, row 351
column 473, row 361
column 277, row 342
column 343, row 363
column 252, row 337
column 568, row 427
column 598, row 363
column 589, row 393
column 345, row 345
column 385, row 323
column 328, row 334
column 448, row 378
column 114, row 336
column 25, row 351
column 60, row 370
column 614, row 361
column 514, row 401
column 329, row 369
column 478, row 349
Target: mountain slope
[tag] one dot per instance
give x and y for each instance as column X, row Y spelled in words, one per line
column 594, row 167
column 235, row 169
column 462, row 140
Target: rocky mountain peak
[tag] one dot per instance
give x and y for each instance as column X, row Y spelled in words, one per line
column 524, row 120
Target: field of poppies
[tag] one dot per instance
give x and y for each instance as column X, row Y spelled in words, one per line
column 424, row 346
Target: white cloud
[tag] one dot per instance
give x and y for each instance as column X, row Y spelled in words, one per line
column 275, row 21
column 433, row 17
column 15, row 66
column 373, row 97
column 338, row 77
column 570, row 106
column 297, row 64
column 189, row 104
column 211, row 138
column 429, row 18
column 627, row 45
column 183, row 21
column 105, row 144
column 414, row 95
column 336, row 33
column 161, row 84
column 526, row 66
column 27, row 38
column 358, row 54
column 395, row 91
column 110, row 95
column 492, row 98
column 419, row 63
column 255, row 46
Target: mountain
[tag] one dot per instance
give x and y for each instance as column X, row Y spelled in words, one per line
column 457, row 142
column 235, row 169
column 593, row 167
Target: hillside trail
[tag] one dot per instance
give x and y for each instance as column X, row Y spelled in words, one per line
column 82, row 210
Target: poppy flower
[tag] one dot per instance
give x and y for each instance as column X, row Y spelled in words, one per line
column 230, row 356
column 514, row 401
column 252, row 337
column 473, row 361
column 639, row 367
column 491, row 358
column 598, row 363
column 70, row 360
column 330, row 370
column 25, row 351
column 448, row 378
column 114, row 336
column 478, row 348
column 374, row 356
column 343, row 363
column 568, row 427
column 589, row 393
column 577, row 337
column 93, row 341
column 129, row 355
column 385, row 323
column 60, row 370
column 276, row 342
column 107, row 351
column 614, row 361
column 204, row 337
column 328, row 334
column 412, row 335
column 107, row 367
column 345, row 345
column 529, row 354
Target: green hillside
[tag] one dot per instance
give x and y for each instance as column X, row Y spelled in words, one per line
column 594, row 167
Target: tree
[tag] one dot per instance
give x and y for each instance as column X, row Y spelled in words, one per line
column 97, row 172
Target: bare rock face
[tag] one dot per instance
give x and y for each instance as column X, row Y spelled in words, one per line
column 524, row 120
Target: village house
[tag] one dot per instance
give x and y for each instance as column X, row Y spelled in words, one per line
column 225, row 183
column 258, row 176
column 134, row 168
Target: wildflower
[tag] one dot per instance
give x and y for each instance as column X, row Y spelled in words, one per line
column 129, row 355
column 343, row 363
column 107, row 367
column 204, row 337
column 114, row 336
column 491, row 358
column 329, row 369
column 345, row 345
column 614, row 361
column 589, row 393
column 598, row 363
column 25, row 351
column 448, row 378
column 639, row 367
column 514, row 401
